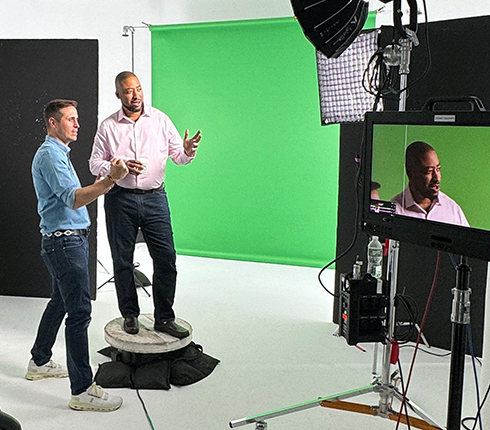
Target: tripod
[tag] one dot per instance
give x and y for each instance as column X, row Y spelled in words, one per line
column 382, row 384
column 140, row 279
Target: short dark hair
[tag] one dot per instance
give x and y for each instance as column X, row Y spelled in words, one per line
column 414, row 153
column 52, row 109
column 122, row 77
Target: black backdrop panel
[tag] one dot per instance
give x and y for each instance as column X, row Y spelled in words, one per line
column 34, row 72
column 460, row 61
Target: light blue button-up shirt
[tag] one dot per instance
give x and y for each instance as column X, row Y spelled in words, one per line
column 55, row 182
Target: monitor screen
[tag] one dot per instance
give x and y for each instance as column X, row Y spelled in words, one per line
column 426, row 179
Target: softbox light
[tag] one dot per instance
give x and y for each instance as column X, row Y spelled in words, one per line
column 331, row 25
column 343, row 98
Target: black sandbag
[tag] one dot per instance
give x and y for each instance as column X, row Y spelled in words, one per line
column 181, row 367
column 113, row 374
column 152, row 376
column 191, row 366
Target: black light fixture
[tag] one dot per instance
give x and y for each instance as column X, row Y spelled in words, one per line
column 331, row 25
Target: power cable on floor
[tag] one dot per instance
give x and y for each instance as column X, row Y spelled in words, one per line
column 146, row 410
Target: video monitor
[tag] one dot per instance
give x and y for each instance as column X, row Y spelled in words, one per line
column 426, row 179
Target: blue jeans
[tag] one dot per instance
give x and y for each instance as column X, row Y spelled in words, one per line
column 67, row 261
column 125, row 214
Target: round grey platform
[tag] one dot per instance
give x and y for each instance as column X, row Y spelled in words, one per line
column 148, row 340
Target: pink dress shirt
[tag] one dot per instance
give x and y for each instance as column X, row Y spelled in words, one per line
column 153, row 137
column 444, row 209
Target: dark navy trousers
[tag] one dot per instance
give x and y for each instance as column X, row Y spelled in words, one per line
column 66, row 258
column 126, row 212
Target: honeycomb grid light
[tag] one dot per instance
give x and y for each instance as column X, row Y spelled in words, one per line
column 343, row 98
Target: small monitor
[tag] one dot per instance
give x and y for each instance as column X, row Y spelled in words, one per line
column 426, row 179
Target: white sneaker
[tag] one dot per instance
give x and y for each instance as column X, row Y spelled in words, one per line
column 48, row 370
column 95, row 399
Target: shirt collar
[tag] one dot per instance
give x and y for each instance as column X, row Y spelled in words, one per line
column 409, row 201
column 122, row 117
column 57, row 143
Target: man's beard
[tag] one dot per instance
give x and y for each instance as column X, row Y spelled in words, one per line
column 132, row 108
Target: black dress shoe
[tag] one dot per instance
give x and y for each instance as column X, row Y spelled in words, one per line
column 172, row 328
column 131, row 325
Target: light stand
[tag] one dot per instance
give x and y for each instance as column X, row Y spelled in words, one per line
column 460, row 318
column 382, row 384
column 137, row 274
column 131, row 29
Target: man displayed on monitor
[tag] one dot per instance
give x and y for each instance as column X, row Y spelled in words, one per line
column 422, row 198
column 375, row 186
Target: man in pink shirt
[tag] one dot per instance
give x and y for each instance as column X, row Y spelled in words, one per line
column 423, row 197
column 144, row 138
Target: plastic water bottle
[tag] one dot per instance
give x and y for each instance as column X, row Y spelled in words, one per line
column 375, row 257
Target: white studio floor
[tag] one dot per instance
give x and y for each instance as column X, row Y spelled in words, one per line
column 270, row 325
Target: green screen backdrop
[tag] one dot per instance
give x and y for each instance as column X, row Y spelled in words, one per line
column 263, row 186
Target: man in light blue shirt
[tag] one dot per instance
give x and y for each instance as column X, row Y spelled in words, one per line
column 64, row 249
column 55, row 182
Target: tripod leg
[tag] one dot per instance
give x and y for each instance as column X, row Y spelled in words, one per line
column 106, row 271
column 414, row 422
column 146, row 291
column 106, row 282
column 372, row 410
column 416, row 409
column 301, row 407
column 350, row 406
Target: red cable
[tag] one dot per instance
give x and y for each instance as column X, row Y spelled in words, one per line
column 419, row 337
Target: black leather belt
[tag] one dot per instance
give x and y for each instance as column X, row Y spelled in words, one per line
column 138, row 191
column 74, row 232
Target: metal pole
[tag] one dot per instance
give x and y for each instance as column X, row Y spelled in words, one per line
column 460, row 318
column 405, row 49
column 132, row 49
column 386, row 395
